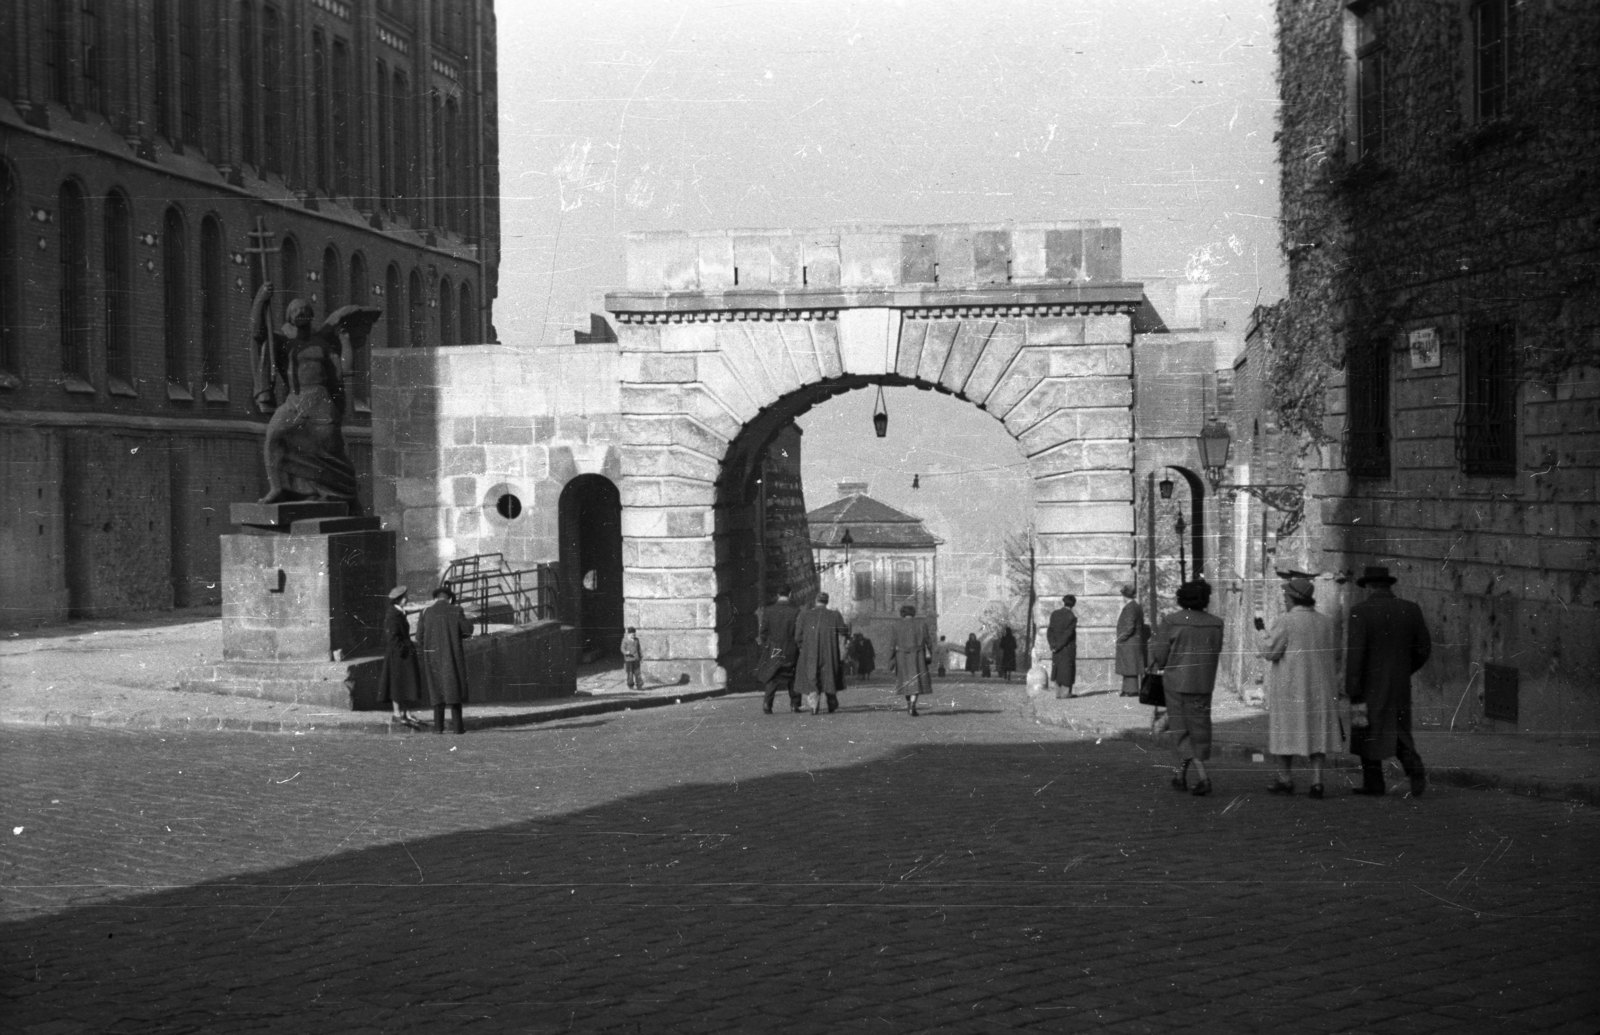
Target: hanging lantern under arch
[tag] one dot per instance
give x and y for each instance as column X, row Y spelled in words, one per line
column 880, row 416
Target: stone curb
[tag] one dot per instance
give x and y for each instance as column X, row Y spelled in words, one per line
column 1454, row 776
column 209, row 724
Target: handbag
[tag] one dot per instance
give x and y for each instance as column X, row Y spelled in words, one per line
column 1152, row 690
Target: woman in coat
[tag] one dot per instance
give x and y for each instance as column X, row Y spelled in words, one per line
column 440, row 631
column 397, row 679
column 1303, row 647
column 866, row 656
column 1007, row 654
column 910, row 651
column 974, row 651
column 1186, row 649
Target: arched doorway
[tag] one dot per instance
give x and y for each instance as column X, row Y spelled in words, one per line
column 590, row 533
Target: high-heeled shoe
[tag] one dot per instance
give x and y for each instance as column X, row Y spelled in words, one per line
column 1202, row 788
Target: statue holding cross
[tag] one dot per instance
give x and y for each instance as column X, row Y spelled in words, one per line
column 299, row 374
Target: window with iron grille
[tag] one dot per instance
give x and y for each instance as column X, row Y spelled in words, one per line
column 1494, row 38
column 1486, row 429
column 1369, row 86
column 1366, row 439
column 905, row 580
column 863, row 582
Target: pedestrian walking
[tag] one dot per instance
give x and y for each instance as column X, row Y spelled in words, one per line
column 1131, row 636
column 944, row 652
column 1063, row 638
column 779, row 651
column 1007, row 654
column 1302, row 687
column 397, row 679
column 819, row 671
column 973, row 649
column 910, row 656
column 986, row 658
column 440, row 631
column 632, row 655
column 1387, row 642
column 866, row 656
column 1186, row 650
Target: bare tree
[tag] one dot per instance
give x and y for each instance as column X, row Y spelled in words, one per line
column 1021, row 555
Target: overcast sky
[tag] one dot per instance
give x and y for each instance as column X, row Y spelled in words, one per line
column 621, row 115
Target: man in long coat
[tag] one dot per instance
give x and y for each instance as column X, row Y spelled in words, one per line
column 1130, row 643
column 779, row 651
column 973, row 649
column 440, row 631
column 1063, row 637
column 820, row 670
column 1387, row 641
column 397, row 679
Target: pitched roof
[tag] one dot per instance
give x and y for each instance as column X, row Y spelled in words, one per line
column 870, row 523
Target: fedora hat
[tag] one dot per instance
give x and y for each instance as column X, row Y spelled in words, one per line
column 1301, row 589
column 1376, row 574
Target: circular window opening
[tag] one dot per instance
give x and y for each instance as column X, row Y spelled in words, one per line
column 508, row 506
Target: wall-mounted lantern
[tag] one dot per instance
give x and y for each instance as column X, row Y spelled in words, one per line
column 1165, row 485
column 1214, row 443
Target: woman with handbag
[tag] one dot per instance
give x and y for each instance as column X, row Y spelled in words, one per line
column 910, row 652
column 1185, row 651
column 1302, row 687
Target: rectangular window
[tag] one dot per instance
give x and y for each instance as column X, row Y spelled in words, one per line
column 319, row 113
column 1494, row 54
column 74, row 281
column 117, row 267
column 341, row 127
column 211, row 301
column 249, row 86
column 1486, row 429
column 93, row 56
column 905, row 579
column 1369, row 85
column 61, row 54
column 1366, row 445
column 189, row 70
column 862, row 582
column 175, row 297
column 273, row 144
column 163, row 68
column 385, row 136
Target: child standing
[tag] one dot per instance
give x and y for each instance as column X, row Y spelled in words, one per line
column 632, row 652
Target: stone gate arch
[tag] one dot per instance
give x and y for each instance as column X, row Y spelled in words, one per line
column 725, row 337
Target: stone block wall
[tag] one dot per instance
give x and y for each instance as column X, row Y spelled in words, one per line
column 456, row 430
column 1455, row 217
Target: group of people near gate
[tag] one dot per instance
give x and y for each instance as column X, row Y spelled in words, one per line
column 1386, row 642
column 803, row 653
column 996, row 654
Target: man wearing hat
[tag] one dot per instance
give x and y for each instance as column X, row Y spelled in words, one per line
column 1387, row 641
column 397, row 679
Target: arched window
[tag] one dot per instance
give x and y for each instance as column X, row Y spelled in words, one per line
column 61, row 54
column 418, row 321
column 189, row 91
column 174, row 299
column 118, row 262
column 452, row 163
column 468, row 315
column 447, row 330
column 212, row 301
column 332, row 280
column 274, row 144
column 393, row 299
column 436, row 209
column 289, row 281
column 249, row 99
column 163, row 67
column 10, row 303
column 357, row 295
column 73, row 302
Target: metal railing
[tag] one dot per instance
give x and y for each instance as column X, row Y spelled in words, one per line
column 485, row 585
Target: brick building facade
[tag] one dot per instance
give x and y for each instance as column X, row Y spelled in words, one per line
column 142, row 142
column 1438, row 356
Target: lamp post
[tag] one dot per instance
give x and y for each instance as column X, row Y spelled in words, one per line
column 1183, row 564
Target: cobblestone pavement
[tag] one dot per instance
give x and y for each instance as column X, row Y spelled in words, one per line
column 708, row 868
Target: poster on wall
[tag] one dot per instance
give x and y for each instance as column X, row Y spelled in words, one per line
column 1424, row 348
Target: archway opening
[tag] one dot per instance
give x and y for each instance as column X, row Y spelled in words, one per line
column 952, row 485
column 590, row 534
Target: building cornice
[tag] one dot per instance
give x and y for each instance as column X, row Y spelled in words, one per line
column 916, row 303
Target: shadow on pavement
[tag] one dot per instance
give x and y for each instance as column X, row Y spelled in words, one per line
column 1053, row 886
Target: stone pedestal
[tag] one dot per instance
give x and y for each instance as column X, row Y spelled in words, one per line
column 304, row 591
